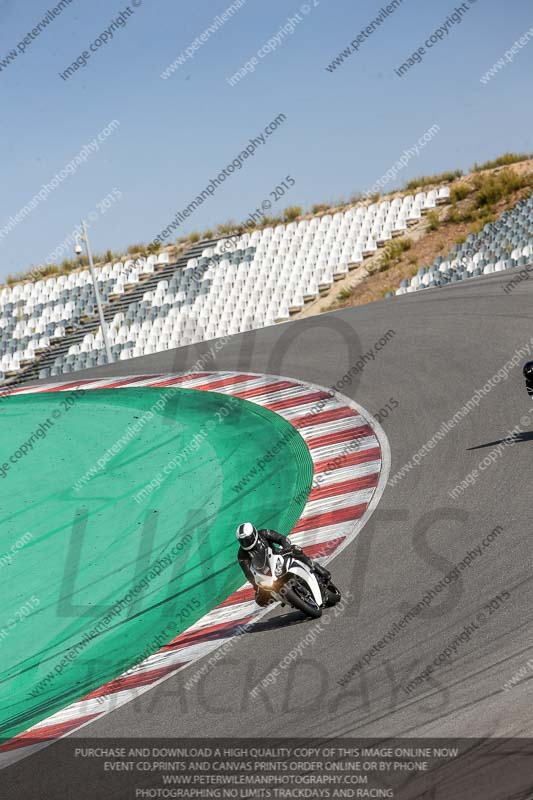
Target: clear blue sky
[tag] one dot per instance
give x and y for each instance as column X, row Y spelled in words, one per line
column 343, row 129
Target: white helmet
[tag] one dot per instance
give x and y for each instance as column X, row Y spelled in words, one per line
column 247, row 535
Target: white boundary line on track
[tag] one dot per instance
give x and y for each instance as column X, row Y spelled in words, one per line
column 123, row 696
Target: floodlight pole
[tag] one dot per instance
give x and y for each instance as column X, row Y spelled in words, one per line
column 103, row 323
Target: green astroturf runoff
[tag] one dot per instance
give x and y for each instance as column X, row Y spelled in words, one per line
column 118, row 511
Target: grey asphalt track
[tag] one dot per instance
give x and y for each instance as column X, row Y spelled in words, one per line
column 447, row 344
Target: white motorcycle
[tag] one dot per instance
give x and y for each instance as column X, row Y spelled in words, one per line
column 292, row 582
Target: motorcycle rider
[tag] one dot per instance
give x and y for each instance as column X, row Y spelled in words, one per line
column 254, row 543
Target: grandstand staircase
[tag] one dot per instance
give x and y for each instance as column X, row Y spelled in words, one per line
column 74, row 336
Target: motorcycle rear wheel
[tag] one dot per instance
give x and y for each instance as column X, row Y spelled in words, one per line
column 333, row 595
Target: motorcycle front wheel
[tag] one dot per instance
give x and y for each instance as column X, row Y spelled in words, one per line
column 299, row 596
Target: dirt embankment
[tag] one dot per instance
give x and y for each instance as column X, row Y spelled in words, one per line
column 476, row 198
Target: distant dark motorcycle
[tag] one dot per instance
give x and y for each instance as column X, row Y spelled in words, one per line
column 528, row 375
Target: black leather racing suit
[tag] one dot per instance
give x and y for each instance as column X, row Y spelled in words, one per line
column 277, row 542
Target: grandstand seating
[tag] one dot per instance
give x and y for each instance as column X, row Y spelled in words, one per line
column 34, row 314
column 226, row 287
column 500, row 245
column 57, row 358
